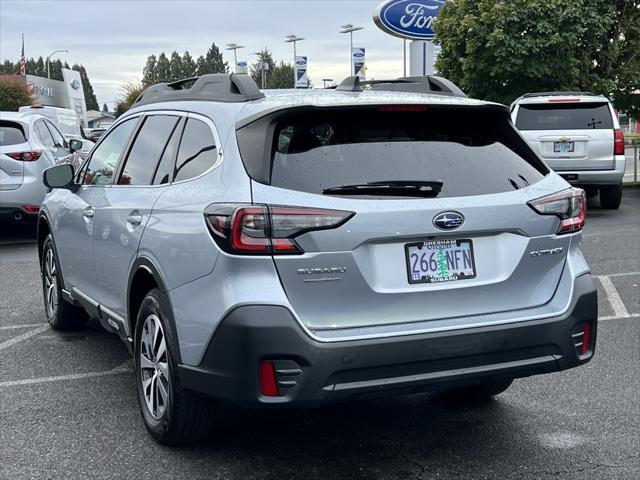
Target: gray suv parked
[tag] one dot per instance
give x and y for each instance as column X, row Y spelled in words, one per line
column 296, row 248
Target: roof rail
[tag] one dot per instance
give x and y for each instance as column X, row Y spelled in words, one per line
column 215, row 87
column 553, row 94
column 427, row 84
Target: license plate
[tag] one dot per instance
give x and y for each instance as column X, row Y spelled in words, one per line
column 563, row 147
column 436, row 261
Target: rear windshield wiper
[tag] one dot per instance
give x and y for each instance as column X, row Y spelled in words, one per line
column 392, row 188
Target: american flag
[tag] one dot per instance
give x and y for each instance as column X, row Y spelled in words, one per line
column 23, row 62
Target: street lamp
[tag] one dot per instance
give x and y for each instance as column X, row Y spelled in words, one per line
column 234, row 47
column 348, row 28
column 293, row 39
column 325, row 80
column 51, row 55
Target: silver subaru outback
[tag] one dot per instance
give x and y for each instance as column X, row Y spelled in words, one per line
column 296, row 248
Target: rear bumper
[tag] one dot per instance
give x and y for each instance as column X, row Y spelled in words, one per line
column 17, row 213
column 311, row 373
column 596, row 177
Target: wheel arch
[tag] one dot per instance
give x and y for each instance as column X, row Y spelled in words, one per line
column 144, row 276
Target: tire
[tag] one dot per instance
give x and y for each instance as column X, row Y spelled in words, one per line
column 484, row 391
column 61, row 314
column 172, row 414
column 611, row 197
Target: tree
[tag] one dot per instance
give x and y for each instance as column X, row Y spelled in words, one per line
column 212, row 62
column 149, row 73
column 188, row 66
column 163, row 69
column 500, row 50
column 105, row 109
column 89, row 95
column 282, row 76
column 175, row 67
column 13, row 94
column 264, row 56
column 130, row 92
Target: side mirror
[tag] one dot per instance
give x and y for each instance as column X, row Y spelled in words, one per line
column 75, row 145
column 60, row 176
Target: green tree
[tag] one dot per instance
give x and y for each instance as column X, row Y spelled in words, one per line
column 130, row 92
column 105, row 109
column 163, row 69
column 282, row 76
column 149, row 73
column 13, row 95
column 189, row 66
column 8, row 67
column 498, row 50
column 264, row 56
column 175, row 67
column 89, row 94
column 212, row 62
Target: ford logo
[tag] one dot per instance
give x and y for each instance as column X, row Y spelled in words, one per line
column 448, row 220
column 358, row 54
column 301, row 62
column 408, row 18
column 75, row 84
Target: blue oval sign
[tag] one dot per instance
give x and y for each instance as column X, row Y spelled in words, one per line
column 448, row 220
column 412, row 19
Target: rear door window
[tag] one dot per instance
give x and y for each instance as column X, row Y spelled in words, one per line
column 11, row 134
column 469, row 152
column 197, row 152
column 564, row 116
column 148, row 146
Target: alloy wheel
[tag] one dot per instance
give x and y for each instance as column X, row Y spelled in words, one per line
column 154, row 367
column 50, row 283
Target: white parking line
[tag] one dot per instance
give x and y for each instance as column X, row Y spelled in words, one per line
column 24, row 325
column 24, row 336
column 613, row 317
column 123, row 368
column 617, row 274
column 617, row 305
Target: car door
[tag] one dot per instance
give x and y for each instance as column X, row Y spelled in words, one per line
column 74, row 224
column 121, row 220
column 54, row 145
column 61, row 153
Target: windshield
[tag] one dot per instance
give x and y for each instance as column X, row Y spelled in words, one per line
column 564, row 116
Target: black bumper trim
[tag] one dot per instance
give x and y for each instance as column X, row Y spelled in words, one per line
column 311, row 373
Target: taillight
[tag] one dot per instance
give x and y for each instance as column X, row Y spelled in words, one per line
column 25, row 156
column 265, row 229
column 569, row 205
column 618, row 142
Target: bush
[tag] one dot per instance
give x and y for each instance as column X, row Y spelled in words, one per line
column 13, row 94
column 130, row 92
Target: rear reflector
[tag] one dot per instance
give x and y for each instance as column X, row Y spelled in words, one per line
column 31, row 208
column 25, row 156
column 618, row 142
column 569, row 205
column 268, row 384
column 586, row 338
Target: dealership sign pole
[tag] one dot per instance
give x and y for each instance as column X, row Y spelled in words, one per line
column 413, row 20
column 358, row 56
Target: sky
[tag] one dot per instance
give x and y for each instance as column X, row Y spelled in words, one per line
column 112, row 38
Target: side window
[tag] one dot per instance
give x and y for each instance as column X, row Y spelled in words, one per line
column 58, row 139
column 197, row 151
column 165, row 168
column 147, row 148
column 105, row 156
column 43, row 134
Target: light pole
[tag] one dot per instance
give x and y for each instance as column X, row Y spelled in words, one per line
column 325, row 80
column 348, row 28
column 293, row 39
column 51, row 55
column 263, row 64
column 234, row 47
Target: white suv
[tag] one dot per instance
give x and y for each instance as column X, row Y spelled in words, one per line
column 578, row 135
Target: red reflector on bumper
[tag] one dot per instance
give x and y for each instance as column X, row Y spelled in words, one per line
column 268, row 384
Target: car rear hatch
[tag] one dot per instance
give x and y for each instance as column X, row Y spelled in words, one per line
column 569, row 134
column 13, row 140
column 435, row 200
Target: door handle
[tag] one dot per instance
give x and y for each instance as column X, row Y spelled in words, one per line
column 134, row 220
column 88, row 212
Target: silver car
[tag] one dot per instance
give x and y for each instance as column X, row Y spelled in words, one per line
column 29, row 143
column 578, row 135
column 296, row 248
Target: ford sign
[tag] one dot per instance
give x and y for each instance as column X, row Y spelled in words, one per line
column 413, row 19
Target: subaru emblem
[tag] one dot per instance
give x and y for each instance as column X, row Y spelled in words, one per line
column 448, row 220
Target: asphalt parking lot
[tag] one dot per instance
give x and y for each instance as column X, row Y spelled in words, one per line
column 68, row 407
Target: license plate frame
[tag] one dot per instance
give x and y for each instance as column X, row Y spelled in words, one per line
column 564, row 147
column 434, row 246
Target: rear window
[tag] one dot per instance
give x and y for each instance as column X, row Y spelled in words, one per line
column 11, row 134
column 564, row 116
column 469, row 151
